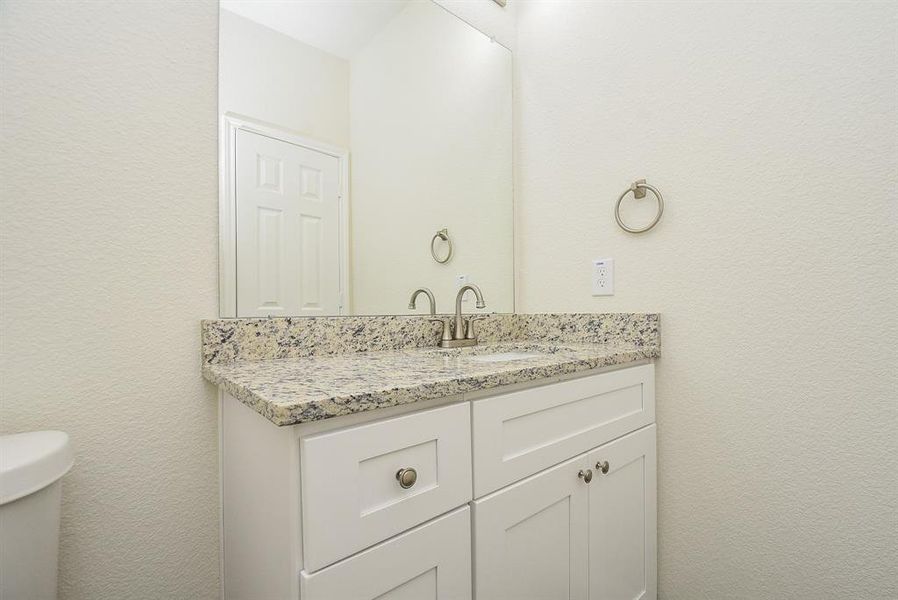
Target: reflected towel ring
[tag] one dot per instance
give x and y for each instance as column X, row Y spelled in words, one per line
column 638, row 188
column 442, row 234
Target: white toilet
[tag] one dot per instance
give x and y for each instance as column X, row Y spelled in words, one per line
column 31, row 469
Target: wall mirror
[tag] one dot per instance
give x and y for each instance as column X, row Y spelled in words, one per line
column 359, row 140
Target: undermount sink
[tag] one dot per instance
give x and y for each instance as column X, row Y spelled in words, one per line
column 504, row 356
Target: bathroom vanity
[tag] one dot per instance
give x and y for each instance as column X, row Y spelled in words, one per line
column 406, row 457
column 514, row 469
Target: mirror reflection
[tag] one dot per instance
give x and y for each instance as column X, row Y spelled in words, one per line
column 365, row 152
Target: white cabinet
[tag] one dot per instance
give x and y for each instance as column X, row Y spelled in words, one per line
column 622, row 516
column 430, row 562
column 531, row 539
column 513, row 482
column 573, row 532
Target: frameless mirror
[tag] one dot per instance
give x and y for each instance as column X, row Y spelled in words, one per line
column 366, row 151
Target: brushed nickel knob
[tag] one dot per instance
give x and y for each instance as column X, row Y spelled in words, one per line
column 406, row 477
column 585, row 475
column 603, row 466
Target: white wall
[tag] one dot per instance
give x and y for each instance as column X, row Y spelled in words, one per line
column 274, row 78
column 431, row 148
column 771, row 129
column 108, row 229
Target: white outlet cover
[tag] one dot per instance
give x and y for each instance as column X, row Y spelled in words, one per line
column 603, row 277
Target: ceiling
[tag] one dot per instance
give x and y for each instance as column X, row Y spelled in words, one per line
column 340, row 27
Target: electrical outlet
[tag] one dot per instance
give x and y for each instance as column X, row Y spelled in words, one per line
column 603, row 277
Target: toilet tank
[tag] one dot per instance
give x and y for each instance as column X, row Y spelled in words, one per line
column 31, row 469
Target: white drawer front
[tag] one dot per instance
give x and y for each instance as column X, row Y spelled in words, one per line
column 520, row 433
column 430, row 562
column 351, row 497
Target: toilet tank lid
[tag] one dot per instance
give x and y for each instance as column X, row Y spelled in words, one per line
column 32, row 461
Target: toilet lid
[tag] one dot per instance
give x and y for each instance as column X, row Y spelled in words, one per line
column 32, row 461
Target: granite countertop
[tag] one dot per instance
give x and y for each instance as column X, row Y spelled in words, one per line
column 295, row 390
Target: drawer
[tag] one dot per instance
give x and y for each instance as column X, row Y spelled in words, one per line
column 351, row 498
column 520, row 433
column 430, row 562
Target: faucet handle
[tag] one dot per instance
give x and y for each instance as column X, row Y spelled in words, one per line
column 470, row 334
column 447, row 328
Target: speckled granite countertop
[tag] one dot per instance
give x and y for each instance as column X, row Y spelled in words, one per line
column 312, row 388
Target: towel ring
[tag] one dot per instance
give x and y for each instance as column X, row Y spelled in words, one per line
column 442, row 234
column 638, row 188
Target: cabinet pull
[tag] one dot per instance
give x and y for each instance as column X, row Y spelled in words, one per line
column 603, row 466
column 585, row 475
column 406, row 477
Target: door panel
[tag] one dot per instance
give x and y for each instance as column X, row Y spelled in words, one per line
column 622, row 517
column 531, row 540
column 288, row 232
column 430, row 562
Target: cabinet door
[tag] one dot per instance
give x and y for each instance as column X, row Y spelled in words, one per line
column 430, row 562
column 531, row 539
column 622, row 519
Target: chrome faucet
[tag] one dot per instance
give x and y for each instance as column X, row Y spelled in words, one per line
column 426, row 292
column 464, row 334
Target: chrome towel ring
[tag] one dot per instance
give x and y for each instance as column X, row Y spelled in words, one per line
column 442, row 234
column 638, row 188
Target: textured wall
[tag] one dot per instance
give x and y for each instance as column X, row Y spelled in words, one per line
column 771, row 128
column 109, row 212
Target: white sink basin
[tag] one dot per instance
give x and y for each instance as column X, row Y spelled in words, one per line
column 504, row 356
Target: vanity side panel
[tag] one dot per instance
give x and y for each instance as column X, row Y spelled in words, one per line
column 260, row 506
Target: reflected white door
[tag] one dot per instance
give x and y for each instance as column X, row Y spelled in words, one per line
column 288, row 232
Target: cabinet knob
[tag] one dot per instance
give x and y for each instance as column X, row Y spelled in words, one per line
column 406, row 477
column 585, row 475
column 603, row 466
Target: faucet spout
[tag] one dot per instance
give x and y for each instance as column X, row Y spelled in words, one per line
column 430, row 298
column 459, row 321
